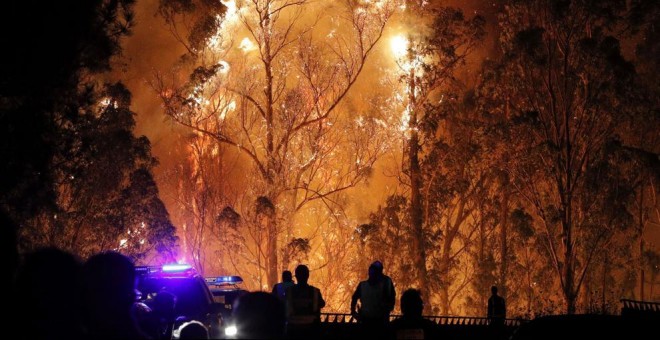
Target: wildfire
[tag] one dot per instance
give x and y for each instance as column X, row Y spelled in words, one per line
column 399, row 46
column 247, row 45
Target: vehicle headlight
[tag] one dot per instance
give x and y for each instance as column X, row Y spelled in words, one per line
column 231, row 330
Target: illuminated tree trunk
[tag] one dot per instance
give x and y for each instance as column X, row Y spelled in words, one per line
column 641, row 244
column 272, row 168
column 503, row 246
column 444, row 284
column 272, row 272
column 416, row 211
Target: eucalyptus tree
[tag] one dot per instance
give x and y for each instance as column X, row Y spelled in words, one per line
column 269, row 79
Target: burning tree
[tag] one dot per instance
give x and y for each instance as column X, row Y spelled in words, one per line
column 566, row 89
column 439, row 197
column 269, row 81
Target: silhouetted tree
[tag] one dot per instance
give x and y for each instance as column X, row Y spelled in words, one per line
column 443, row 40
column 53, row 46
column 75, row 175
column 567, row 87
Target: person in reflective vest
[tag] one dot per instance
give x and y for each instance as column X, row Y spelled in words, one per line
column 303, row 307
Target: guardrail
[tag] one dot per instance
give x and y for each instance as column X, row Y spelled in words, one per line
column 341, row 318
column 640, row 306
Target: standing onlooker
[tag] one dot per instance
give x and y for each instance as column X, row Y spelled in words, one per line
column 496, row 308
column 193, row 330
column 303, row 307
column 47, row 284
column 109, row 293
column 279, row 289
column 377, row 297
column 412, row 325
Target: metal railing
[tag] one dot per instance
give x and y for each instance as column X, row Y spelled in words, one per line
column 439, row 320
column 641, row 306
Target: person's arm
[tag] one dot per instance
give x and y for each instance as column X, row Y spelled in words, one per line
column 391, row 296
column 321, row 301
column 354, row 299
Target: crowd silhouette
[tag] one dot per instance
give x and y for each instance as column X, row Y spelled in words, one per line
column 98, row 299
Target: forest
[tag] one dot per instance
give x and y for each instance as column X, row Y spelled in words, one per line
column 512, row 143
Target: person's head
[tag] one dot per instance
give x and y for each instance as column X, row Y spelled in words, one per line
column 493, row 290
column 286, row 276
column 109, row 284
column 164, row 304
column 59, row 269
column 302, row 273
column 8, row 246
column 375, row 270
column 47, row 282
column 193, row 330
column 411, row 303
column 259, row 315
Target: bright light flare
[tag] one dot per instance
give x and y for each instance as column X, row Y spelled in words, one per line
column 231, row 331
column 224, row 67
column 399, row 45
column 231, row 6
column 246, row 45
column 176, row 267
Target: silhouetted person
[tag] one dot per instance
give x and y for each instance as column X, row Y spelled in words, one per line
column 193, row 330
column 258, row 315
column 496, row 309
column 47, row 284
column 377, row 297
column 411, row 325
column 279, row 289
column 303, row 307
column 9, row 261
column 8, row 246
column 109, row 291
column 159, row 322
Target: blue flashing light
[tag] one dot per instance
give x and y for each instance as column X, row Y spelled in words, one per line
column 220, row 280
column 144, row 270
column 172, row 268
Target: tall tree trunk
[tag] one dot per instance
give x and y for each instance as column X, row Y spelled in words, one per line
column 271, row 263
column 568, row 277
column 606, row 265
column 445, row 280
column 444, row 300
column 503, row 245
column 641, row 243
column 416, row 211
column 272, row 166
